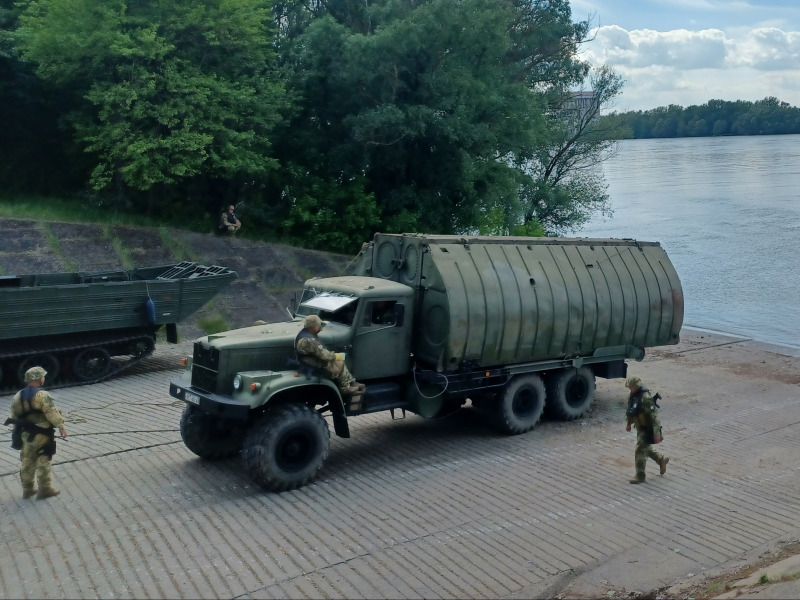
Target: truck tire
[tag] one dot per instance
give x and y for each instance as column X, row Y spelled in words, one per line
column 204, row 436
column 520, row 405
column 285, row 449
column 570, row 393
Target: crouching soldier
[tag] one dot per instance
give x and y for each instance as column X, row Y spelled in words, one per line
column 642, row 413
column 310, row 350
column 35, row 414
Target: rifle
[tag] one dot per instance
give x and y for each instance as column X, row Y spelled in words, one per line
column 16, row 436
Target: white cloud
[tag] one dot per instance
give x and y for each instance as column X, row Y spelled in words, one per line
column 768, row 49
column 691, row 67
column 680, row 48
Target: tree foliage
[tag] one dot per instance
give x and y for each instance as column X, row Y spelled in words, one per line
column 438, row 105
column 161, row 91
column 769, row 116
column 568, row 187
column 330, row 120
column 31, row 141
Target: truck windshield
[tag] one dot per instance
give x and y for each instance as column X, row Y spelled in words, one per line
column 330, row 306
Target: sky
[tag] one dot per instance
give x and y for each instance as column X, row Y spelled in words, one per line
column 688, row 52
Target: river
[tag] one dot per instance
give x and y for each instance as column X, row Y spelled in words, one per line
column 727, row 211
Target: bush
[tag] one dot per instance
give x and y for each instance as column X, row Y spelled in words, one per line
column 212, row 324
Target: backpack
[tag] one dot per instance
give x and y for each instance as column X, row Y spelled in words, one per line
column 657, row 433
column 16, row 433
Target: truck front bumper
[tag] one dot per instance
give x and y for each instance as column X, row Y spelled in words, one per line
column 214, row 404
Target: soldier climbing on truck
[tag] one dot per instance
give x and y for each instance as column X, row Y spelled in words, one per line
column 517, row 327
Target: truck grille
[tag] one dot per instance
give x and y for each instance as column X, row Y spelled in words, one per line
column 207, row 356
column 205, row 364
column 204, row 379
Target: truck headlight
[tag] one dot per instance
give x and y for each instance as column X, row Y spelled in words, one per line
column 237, row 382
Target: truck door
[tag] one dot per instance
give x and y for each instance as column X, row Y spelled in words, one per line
column 382, row 342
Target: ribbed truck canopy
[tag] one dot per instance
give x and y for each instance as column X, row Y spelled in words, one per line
column 502, row 300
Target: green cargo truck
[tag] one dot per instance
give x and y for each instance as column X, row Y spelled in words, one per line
column 516, row 326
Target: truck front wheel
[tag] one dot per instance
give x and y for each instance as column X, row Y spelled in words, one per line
column 207, row 437
column 570, row 393
column 521, row 404
column 285, row 449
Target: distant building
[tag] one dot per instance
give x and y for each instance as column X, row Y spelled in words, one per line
column 581, row 101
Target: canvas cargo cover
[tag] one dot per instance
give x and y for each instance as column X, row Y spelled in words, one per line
column 502, row 300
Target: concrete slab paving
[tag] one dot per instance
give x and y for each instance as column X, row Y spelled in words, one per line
column 419, row 508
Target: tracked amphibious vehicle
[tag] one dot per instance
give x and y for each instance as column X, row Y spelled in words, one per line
column 77, row 325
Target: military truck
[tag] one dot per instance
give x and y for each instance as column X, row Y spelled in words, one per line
column 73, row 324
column 516, row 326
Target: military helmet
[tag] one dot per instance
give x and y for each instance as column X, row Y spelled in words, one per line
column 34, row 374
column 313, row 321
column 633, row 382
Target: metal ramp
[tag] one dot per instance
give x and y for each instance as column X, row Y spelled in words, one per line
column 179, row 271
column 203, row 271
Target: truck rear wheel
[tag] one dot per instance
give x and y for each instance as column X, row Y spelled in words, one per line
column 285, row 449
column 204, row 435
column 520, row 405
column 570, row 393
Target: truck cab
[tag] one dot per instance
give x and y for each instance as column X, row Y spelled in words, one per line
column 369, row 319
column 245, row 381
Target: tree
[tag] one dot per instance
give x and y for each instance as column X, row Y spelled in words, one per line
column 162, row 91
column 769, row 116
column 398, row 115
column 435, row 105
column 568, row 187
column 31, row 141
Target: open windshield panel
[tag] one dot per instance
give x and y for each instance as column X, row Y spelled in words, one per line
column 330, row 306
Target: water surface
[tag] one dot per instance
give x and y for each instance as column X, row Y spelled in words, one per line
column 727, row 212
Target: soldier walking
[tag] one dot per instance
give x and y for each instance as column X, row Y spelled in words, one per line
column 33, row 411
column 642, row 413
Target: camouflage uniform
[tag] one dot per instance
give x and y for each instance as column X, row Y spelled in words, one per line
column 229, row 222
column 646, row 421
column 36, row 465
column 312, row 351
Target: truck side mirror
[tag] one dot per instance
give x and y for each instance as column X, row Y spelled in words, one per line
column 399, row 313
column 292, row 308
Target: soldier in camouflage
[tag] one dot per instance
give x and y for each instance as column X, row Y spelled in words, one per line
column 228, row 222
column 643, row 414
column 34, row 410
column 310, row 350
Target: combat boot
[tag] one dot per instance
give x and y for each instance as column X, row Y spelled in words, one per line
column 663, row 465
column 638, row 479
column 47, row 493
column 28, row 492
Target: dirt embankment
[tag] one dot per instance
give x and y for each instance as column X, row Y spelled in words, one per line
column 269, row 274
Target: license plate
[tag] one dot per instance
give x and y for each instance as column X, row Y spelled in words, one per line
column 189, row 397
